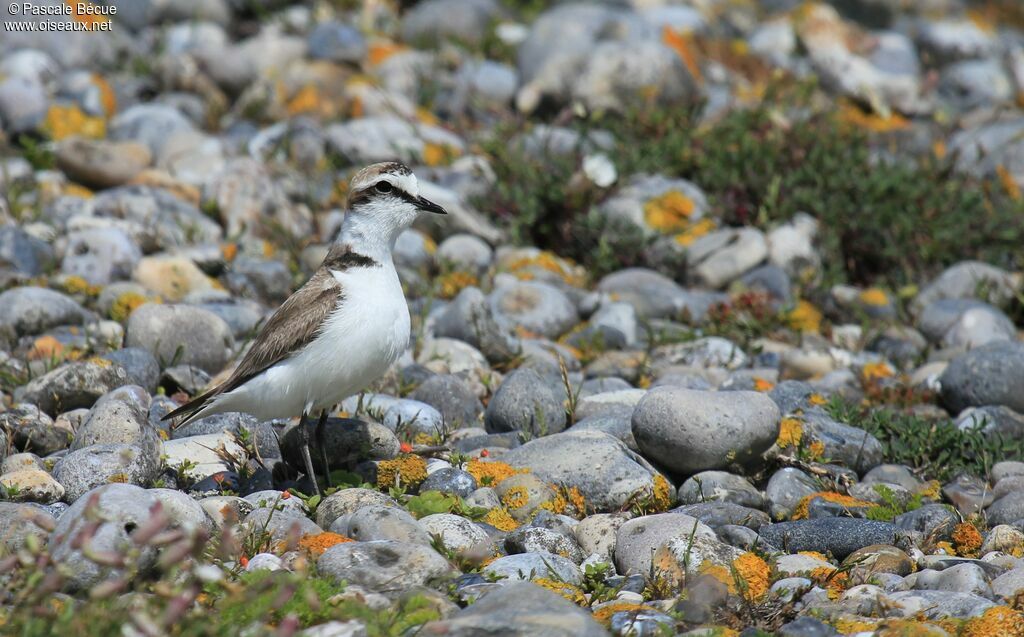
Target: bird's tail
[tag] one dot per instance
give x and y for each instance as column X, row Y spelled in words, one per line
column 191, row 410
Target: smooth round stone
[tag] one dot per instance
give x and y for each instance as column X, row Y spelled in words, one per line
column 465, row 252
column 73, row 385
column 717, row 514
column 570, row 459
column 691, row 430
column 385, row 566
column 456, row 532
column 470, row 319
column 183, row 511
column 120, row 416
column 708, row 486
column 346, row 440
column 31, row 310
column 264, row 562
column 528, row 566
column 150, row 124
column 1007, row 468
column 527, row 491
column 652, row 294
column 988, row 375
column 892, row 474
column 185, row 334
column 532, row 539
column 843, row 444
column 539, row 308
column 279, row 524
column 336, row 42
column 99, row 163
column 525, row 402
column 22, row 251
column 120, row 509
column 1007, row 509
column 616, row 422
column 960, row 578
column 932, row 520
column 31, row 485
column 96, row 465
column 786, row 488
column 264, row 279
column 140, row 365
column 31, row 429
column 452, row 397
column 451, row 481
column 1009, row 584
column 23, row 104
column 519, row 608
column 838, row 536
column 639, row 538
column 879, row 558
column 596, row 533
column 381, row 522
column 938, row 604
column 437, row 20
column 20, row 461
column 346, row 501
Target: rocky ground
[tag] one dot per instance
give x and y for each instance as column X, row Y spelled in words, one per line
column 719, row 338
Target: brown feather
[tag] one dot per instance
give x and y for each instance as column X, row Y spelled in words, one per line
column 293, row 326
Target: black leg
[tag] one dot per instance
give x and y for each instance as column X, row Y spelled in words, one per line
column 310, row 473
column 321, row 443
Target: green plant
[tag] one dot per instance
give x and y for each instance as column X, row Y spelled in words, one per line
column 935, row 448
column 891, row 506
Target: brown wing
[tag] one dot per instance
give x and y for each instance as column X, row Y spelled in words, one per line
column 289, row 329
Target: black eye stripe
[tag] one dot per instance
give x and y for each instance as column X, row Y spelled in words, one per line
column 366, row 194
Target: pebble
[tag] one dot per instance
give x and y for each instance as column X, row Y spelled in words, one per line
column 73, row 385
column 986, row 375
column 838, row 536
column 384, row 566
column 526, row 402
column 605, row 471
column 32, row 310
column 182, row 334
column 691, row 430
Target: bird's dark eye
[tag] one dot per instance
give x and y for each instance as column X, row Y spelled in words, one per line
column 383, row 187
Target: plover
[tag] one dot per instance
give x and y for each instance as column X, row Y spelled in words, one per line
column 341, row 330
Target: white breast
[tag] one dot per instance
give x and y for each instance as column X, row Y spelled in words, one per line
column 364, row 335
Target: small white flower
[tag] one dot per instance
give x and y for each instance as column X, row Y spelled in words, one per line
column 600, row 170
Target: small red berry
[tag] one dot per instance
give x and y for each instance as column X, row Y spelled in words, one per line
column 484, row 453
column 405, row 447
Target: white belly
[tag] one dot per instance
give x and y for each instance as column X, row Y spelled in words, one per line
column 367, row 332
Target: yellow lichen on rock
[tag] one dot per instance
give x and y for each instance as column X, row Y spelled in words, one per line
column 125, row 304
column 67, row 120
column 405, row 470
column 604, row 614
column 670, row 212
column 318, row 543
column 454, row 282
column 572, row 593
column 966, row 539
column 791, row 431
column 489, row 474
column 801, row 510
column 754, row 574
column 804, row 317
column 874, row 297
column 501, row 519
column 695, row 231
column 998, row 621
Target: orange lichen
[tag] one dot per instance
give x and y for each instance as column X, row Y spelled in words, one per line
column 753, row 573
column 831, row 579
column 454, row 282
column 852, row 115
column 791, row 431
column 320, row 542
column 804, row 317
column 405, row 470
column 306, row 100
column 802, row 508
column 763, row 384
column 501, row 519
column 849, row 626
column 86, row 12
column 67, row 120
column 125, row 304
column 874, row 297
column 1008, row 183
column 682, row 44
column 572, row 593
column 515, row 498
column 45, row 347
column 661, row 493
column 489, row 474
column 107, row 96
column 815, row 554
column 380, row 51
column 967, row 539
column 816, row 450
column 997, row 621
column 817, row 399
column 876, row 371
column 564, row 268
column 695, row 231
column 718, row 572
column 605, row 613
column 438, row 154
column 567, row 501
column 77, row 190
column 669, row 212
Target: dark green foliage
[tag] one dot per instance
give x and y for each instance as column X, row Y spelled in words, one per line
column 891, row 221
column 934, row 448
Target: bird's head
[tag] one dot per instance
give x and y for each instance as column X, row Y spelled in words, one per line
column 384, row 199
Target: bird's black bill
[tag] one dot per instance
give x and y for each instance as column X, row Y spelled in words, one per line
column 429, row 206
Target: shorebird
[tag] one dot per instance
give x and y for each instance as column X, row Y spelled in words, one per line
column 341, row 330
